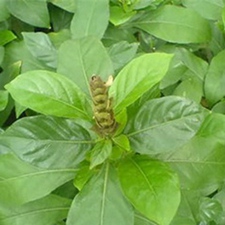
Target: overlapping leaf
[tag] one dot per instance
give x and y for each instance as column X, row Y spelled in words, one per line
column 21, row 183
column 48, row 142
column 164, row 124
column 101, row 202
column 151, row 187
column 48, row 93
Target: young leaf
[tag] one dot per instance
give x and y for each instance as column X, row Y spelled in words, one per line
column 101, row 202
column 48, row 142
column 151, row 187
column 80, row 59
column 32, row 12
column 215, row 79
column 48, row 93
column 6, row 36
column 21, row 183
column 47, row 210
column 41, row 48
column 164, row 124
column 175, row 24
column 92, row 23
column 140, row 75
column 100, row 152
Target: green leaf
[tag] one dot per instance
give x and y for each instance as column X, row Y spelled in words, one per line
column 3, row 99
column 142, row 220
column 47, row 210
column 80, row 59
column 6, row 36
column 48, row 93
column 121, row 53
column 140, row 75
column 100, row 152
column 200, row 163
column 3, row 9
column 48, row 142
column 31, row 12
column 151, row 187
column 175, row 24
column 208, row 9
column 2, row 53
column 92, row 22
column 41, row 48
column 21, row 183
column 69, row 5
column 101, row 202
column 119, row 16
column 122, row 141
column 164, row 124
column 215, row 79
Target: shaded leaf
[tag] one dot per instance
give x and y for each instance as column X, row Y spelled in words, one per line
column 151, row 187
column 215, row 79
column 47, row 210
column 140, row 75
column 21, row 9
column 41, row 48
column 92, row 22
column 48, row 142
column 166, row 23
column 208, row 9
column 108, row 205
column 3, row 99
column 164, row 124
column 49, row 93
column 80, row 59
column 21, row 183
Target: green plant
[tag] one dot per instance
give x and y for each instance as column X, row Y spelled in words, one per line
column 144, row 148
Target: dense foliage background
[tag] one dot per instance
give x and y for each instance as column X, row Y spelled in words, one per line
column 165, row 164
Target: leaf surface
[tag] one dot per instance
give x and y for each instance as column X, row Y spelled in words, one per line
column 48, row 142
column 48, row 93
column 151, row 187
column 101, row 202
column 138, row 76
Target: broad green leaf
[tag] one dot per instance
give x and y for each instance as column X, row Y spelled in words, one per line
column 3, row 99
column 151, row 186
column 101, row 202
column 215, row 79
column 47, row 210
column 92, row 22
column 122, row 141
column 142, row 220
column 21, row 183
column 200, row 163
column 57, row 38
column 175, row 24
column 31, row 12
column 3, row 9
column 48, row 142
column 100, row 152
column 121, row 53
column 69, row 5
column 6, row 36
column 49, row 93
column 164, row 124
column 17, row 51
column 80, row 59
column 137, row 77
column 41, row 48
column 219, row 107
column 208, row 9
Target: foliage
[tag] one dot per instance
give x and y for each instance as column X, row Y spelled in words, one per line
column 145, row 149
